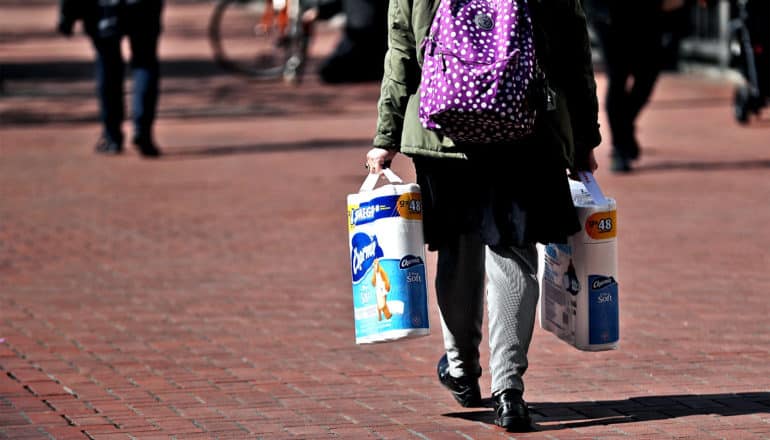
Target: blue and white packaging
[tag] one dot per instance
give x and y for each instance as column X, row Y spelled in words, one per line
column 578, row 280
column 387, row 261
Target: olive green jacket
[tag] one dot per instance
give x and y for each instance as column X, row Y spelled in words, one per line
column 563, row 50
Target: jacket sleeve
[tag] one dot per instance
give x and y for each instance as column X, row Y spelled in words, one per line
column 399, row 76
column 581, row 84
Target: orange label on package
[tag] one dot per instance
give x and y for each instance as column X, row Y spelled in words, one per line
column 602, row 225
column 410, row 206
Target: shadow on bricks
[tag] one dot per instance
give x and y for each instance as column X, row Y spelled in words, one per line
column 270, row 147
column 64, row 71
column 704, row 166
column 550, row 416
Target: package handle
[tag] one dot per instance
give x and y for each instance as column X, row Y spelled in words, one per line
column 372, row 179
column 592, row 186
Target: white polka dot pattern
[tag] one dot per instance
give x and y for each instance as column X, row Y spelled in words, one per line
column 479, row 65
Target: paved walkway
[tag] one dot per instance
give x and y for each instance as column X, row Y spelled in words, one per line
column 206, row 294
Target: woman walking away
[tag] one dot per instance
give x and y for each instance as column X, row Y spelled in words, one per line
column 486, row 202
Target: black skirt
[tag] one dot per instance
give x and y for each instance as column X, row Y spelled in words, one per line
column 511, row 197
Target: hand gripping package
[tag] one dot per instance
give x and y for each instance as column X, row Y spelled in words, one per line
column 387, row 261
column 579, row 287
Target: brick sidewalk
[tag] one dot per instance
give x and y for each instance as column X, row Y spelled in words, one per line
column 206, row 294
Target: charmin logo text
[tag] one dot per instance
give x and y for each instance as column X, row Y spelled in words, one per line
column 364, row 249
column 602, row 282
column 409, row 261
column 361, row 255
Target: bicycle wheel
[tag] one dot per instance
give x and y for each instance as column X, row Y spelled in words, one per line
column 252, row 37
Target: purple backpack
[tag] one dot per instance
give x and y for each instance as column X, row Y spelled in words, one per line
column 478, row 70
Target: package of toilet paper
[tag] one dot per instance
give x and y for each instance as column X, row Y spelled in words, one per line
column 578, row 280
column 387, row 260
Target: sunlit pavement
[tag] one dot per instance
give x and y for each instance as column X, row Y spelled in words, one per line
column 207, row 294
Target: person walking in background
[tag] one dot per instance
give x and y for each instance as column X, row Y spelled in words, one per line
column 630, row 37
column 675, row 26
column 359, row 53
column 106, row 22
column 486, row 206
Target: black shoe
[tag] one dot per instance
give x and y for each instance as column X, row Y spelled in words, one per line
column 465, row 390
column 146, row 147
column 626, row 146
column 620, row 164
column 511, row 411
column 107, row 146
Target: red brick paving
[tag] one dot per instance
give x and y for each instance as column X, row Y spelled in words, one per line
column 205, row 295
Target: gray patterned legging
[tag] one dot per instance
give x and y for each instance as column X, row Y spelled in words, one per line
column 512, row 293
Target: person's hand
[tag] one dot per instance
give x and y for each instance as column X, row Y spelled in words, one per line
column 587, row 164
column 310, row 15
column 379, row 158
column 64, row 27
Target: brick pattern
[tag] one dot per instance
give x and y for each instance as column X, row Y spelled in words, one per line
column 206, row 295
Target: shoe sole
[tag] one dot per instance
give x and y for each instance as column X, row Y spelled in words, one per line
column 514, row 424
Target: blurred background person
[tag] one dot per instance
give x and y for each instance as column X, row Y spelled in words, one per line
column 106, row 22
column 630, row 35
column 360, row 53
column 676, row 24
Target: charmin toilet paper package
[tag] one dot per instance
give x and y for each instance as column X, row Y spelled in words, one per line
column 578, row 280
column 387, row 261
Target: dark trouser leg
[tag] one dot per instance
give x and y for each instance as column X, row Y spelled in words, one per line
column 618, row 113
column 110, row 71
column 460, row 295
column 645, row 71
column 146, row 74
column 645, row 67
column 618, row 70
